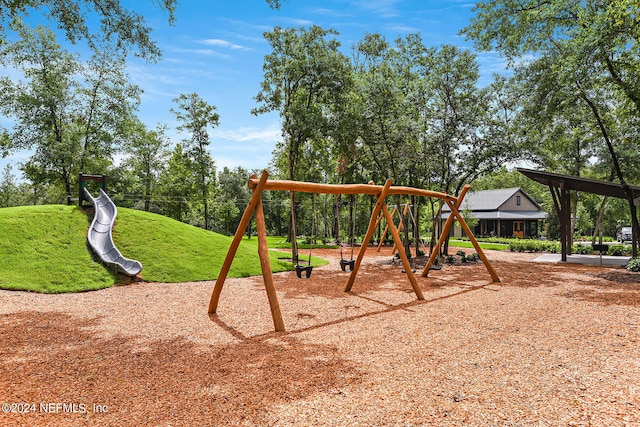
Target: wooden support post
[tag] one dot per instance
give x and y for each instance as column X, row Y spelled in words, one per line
column 244, row 221
column 265, row 265
column 403, row 256
column 467, row 230
column 445, row 233
column 565, row 223
column 386, row 228
column 372, row 222
column 400, row 228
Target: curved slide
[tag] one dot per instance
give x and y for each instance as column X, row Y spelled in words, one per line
column 100, row 238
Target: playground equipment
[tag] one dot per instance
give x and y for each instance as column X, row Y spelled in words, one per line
column 379, row 191
column 348, row 264
column 99, row 235
column 82, row 185
column 307, row 269
column 386, row 228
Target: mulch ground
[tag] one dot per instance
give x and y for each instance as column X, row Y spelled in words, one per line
column 551, row 344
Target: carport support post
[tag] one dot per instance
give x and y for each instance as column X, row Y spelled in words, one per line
column 565, row 200
column 562, row 202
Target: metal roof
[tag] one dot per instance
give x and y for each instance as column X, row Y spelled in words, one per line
column 489, row 200
column 568, row 182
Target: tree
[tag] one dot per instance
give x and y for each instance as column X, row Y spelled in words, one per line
column 594, row 48
column 384, row 118
column 176, row 185
column 304, row 73
column 72, row 123
column 147, row 150
column 196, row 116
column 232, row 196
column 8, row 188
column 123, row 28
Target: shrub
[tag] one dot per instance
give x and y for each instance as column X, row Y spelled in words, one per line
column 582, row 249
column 616, row 250
column 633, row 265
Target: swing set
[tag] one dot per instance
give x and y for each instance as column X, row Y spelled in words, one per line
column 380, row 210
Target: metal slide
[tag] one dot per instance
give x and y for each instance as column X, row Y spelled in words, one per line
column 100, row 238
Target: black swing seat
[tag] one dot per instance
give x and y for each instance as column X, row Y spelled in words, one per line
column 344, row 263
column 306, row 269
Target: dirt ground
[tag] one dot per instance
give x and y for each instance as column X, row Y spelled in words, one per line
column 551, row 344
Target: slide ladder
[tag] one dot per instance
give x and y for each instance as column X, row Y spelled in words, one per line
column 100, row 238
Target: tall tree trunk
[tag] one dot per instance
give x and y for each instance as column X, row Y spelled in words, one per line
column 597, row 231
column 635, row 227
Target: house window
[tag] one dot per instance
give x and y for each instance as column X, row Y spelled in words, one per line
column 518, row 200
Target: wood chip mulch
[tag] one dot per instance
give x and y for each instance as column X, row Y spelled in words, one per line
column 550, row 345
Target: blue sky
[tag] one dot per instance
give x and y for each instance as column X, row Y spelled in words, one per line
column 216, row 48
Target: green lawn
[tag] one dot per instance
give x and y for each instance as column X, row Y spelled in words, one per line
column 43, row 249
column 483, row 245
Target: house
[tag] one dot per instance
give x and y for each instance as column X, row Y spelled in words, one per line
column 507, row 212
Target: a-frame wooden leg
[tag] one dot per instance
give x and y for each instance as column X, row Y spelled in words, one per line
column 244, row 221
column 367, row 237
column 400, row 228
column 443, row 235
column 467, row 230
column 265, row 265
column 403, row 256
column 384, row 234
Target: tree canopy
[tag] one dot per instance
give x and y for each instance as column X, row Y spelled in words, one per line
column 125, row 29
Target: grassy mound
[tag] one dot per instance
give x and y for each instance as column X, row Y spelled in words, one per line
column 44, row 249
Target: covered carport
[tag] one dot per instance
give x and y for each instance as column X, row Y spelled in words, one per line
column 561, row 186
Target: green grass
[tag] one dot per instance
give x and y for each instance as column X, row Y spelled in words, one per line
column 43, row 249
column 483, row 245
column 280, row 242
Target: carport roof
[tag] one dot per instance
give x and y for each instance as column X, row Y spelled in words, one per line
column 586, row 185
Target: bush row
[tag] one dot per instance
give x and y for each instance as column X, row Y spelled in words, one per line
column 555, row 247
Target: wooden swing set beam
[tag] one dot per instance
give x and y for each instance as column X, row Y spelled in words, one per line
column 371, row 189
column 380, row 210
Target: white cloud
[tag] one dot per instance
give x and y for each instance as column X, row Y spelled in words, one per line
column 269, row 134
column 384, row 8
column 401, row 28
column 223, row 43
column 296, row 22
column 334, row 13
column 203, row 52
column 249, row 147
